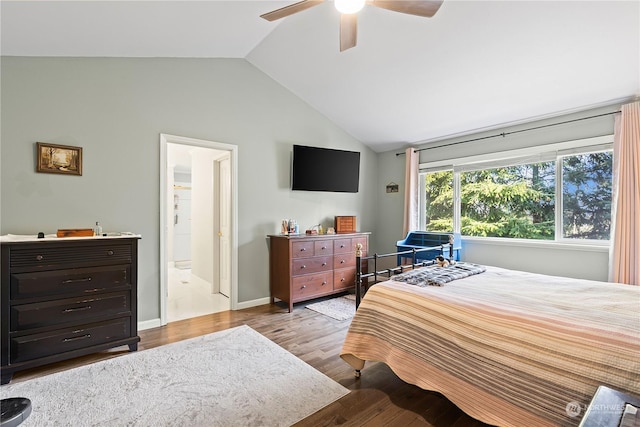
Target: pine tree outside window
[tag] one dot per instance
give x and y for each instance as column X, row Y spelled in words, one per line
column 561, row 197
column 586, row 196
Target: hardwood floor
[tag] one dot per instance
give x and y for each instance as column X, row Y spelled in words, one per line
column 378, row 398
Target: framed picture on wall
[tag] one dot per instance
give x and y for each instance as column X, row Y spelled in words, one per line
column 54, row 158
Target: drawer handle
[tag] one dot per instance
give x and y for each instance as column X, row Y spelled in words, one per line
column 303, row 286
column 109, row 252
column 94, row 290
column 324, row 283
column 82, row 337
column 324, row 264
column 324, row 247
column 71, row 310
column 39, row 257
column 341, row 246
column 343, row 279
column 303, row 249
column 303, row 266
column 342, row 261
column 84, row 279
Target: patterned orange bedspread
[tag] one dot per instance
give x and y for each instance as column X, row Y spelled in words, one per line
column 509, row 348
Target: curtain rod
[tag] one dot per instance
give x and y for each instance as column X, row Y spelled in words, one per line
column 503, row 134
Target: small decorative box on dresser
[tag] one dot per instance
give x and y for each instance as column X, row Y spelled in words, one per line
column 64, row 298
column 345, row 224
column 303, row 267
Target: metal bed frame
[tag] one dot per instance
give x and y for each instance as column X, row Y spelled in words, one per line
column 387, row 273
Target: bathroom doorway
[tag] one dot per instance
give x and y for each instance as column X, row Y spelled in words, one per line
column 198, row 229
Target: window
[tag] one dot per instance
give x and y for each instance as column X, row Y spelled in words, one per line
column 514, row 201
column 438, row 201
column 586, row 196
column 565, row 196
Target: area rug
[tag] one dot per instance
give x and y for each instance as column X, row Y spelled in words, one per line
column 340, row 308
column 235, row 377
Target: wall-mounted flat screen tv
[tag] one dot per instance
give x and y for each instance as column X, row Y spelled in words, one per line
column 325, row 169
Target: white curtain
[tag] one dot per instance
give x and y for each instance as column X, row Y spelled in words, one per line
column 411, row 191
column 624, row 265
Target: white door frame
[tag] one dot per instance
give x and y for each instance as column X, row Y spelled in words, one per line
column 166, row 139
column 224, row 188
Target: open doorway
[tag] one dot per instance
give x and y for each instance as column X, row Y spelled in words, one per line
column 198, row 227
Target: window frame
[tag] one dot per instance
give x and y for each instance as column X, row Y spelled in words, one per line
column 560, row 199
column 555, row 152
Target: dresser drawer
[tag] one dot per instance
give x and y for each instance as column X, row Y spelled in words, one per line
column 312, row 284
column 47, row 257
column 345, row 278
column 323, row 247
column 311, row 265
column 34, row 346
column 80, row 309
column 302, row 249
column 344, row 260
column 344, row 246
column 79, row 281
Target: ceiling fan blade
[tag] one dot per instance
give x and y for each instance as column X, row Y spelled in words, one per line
column 426, row 8
column 348, row 30
column 290, row 10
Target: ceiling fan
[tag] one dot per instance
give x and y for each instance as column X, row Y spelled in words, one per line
column 349, row 17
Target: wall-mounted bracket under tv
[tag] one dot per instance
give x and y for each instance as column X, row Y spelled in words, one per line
column 325, row 169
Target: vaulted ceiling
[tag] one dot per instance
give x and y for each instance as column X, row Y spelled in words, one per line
column 475, row 65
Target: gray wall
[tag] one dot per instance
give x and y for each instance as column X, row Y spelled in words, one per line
column 522, row 139
column 390, row 205
column 586, row 262
column 116, row 108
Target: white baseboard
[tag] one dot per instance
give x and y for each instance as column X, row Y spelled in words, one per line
column 148, row 324
column 253, row 303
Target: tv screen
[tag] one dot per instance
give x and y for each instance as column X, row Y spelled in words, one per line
column 324, row 169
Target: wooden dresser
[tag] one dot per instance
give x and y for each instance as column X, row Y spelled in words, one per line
column 303, row 267
column 64, row 298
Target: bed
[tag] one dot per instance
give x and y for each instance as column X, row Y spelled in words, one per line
column 509, row 348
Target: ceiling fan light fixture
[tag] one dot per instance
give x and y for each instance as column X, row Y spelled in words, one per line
column 349, row 6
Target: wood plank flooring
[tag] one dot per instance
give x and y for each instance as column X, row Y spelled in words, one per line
column 378, row 398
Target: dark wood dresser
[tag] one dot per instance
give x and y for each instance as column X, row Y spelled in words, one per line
column 64, row 298
column 303, row 267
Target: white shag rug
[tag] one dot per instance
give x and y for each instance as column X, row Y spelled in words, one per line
column 235, row 377
column 341, row 308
